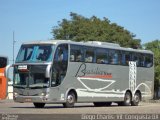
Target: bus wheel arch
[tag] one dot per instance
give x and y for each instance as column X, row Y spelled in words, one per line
column 71, row 99
column 136, row 98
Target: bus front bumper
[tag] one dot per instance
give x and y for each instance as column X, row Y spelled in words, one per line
column 31, row 99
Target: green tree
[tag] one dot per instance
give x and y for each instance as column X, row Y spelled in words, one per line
column 154, row 46
column 79, row 28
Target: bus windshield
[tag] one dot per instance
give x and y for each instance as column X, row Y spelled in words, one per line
column 35, row 53
column 35, row 80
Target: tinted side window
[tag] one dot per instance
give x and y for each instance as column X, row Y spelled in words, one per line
column 76, row 53
column 135, row 58
column 148, row 60
column 101, row 56
column 141, row 60
column 126, row 57
column 115, row 57
column 89, row 55
column 61, row 53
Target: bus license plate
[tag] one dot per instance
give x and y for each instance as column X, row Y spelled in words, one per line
column 28, row 100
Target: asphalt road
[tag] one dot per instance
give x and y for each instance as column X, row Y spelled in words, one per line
column 85, row 111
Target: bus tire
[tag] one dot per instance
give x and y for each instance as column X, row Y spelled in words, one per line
column 127, row 99
column 71, row 99
column 136, row 99
column 39, row 105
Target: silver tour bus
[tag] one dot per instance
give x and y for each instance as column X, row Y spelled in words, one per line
column 67, row 72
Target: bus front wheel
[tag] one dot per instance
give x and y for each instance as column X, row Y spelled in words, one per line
column 71, row 99
column 39, row 105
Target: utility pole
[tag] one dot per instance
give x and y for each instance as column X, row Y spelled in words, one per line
column 13, row 45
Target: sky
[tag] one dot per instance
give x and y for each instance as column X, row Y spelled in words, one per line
column 34, row 19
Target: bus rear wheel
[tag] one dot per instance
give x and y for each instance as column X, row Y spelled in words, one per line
column 39, row 105
column 127, row 100
column 136, row 99
column 71, row 99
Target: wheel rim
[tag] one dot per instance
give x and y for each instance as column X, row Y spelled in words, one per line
column 128, row 98
column 136, row 98
column 70, row 99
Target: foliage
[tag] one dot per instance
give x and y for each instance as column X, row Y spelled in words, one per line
column 80, row 28
column 154, row 46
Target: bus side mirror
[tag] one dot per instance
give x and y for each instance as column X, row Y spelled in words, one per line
column 6, row 73
column 48, row 71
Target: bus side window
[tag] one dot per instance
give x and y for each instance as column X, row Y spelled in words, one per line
column 127, row 59
column 76, row 53
column 89, row 56
column 101, row 56
column 148, row 60
column 75, row 56
column 61, row 53
column 119, row 57
column 135, row 58
column 111, row 54
column 141, row 60
column 72, row 55
column 78, row 56
column 114, row 57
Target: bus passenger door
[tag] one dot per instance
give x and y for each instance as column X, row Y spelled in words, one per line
column 59, row 70
column 60, row 64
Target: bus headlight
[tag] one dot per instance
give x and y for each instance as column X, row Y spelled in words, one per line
column 42, row 94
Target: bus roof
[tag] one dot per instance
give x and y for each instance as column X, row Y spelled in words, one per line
column 90, row 43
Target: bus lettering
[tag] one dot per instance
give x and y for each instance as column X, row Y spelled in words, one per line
column 83, row 71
